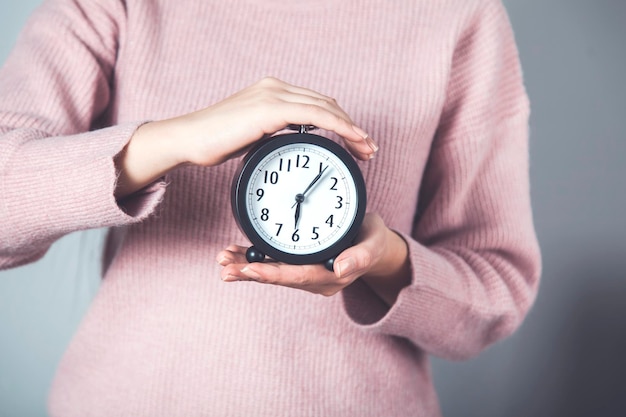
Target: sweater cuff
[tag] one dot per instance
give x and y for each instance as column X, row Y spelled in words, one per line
column 57, row 185
column 419, row 306
column 143, row 202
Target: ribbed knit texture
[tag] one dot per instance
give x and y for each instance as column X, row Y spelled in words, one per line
column 436, row 83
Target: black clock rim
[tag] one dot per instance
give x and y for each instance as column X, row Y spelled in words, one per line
column 242, row 177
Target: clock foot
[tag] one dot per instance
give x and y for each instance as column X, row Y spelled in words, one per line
column 254, row 255
column 329, row 264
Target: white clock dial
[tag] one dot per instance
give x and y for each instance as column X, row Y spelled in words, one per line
column 294, row 208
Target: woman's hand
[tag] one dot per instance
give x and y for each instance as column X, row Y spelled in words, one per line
column 213, row 135
column 380, row 257
column 218, row 132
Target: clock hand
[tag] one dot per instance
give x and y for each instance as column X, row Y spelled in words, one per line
column 297, row 213
column 315, row 180
column 300, row 197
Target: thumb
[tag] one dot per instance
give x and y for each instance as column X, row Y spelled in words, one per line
column 354, row 260
column 359, row 258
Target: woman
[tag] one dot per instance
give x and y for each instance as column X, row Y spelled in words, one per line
column 132, row 115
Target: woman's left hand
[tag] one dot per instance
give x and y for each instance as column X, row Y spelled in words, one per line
column 380, row 256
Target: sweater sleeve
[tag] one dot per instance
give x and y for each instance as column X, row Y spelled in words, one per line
column 57, row 172
column 473, row 251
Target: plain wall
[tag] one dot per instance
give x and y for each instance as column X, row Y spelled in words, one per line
column 568, row 357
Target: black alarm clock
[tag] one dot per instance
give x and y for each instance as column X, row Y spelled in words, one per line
column 299, row 198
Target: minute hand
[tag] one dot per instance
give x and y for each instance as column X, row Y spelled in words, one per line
column 315, row 180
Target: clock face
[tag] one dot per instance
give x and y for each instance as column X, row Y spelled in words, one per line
column 300, row 198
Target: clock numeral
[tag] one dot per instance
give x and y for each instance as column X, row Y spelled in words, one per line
column 305, row 158
column 334, row 186
column 315, row 234
column 280, row 226
column 295, row 237
column 260, row 193
column 329, row 221
column 271, row 176
column 339, row 202
column 321, row 166
column 265, row 214
column 280, row 166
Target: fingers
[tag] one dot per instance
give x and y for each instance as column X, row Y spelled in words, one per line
column 313, row 278
column 304, row 113
column 354, row 262
column 262, row 109
column 366, row 257
column 308, row 92
column 302, row 93
column 232, row 254
column 304, row 106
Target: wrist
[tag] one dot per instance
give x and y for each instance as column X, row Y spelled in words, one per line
column 394, row 258
column 163, row 141
column 150, row 153
column 393, row 272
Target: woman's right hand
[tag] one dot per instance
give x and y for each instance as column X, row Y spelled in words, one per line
column 217, row 133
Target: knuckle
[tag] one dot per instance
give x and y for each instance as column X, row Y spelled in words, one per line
column 307, row 278
column 329, row 292
column 323, row 102
column 304, row 280
column 269, row 81
column 340, row 121
column 328, row 102
column 332, row 102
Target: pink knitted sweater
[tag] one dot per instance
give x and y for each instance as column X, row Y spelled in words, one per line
column 436, row 83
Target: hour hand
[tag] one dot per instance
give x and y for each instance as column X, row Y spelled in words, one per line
column 297, row 214
column 299, row 200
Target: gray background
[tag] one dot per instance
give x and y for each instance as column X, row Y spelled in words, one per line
column 568, row 357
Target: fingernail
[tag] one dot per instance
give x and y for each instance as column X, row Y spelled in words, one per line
column 224, row 260
column 360, row 131
column 230, row 278
column 372, row 144
column 345, row 267
column 250, row 273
